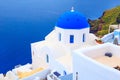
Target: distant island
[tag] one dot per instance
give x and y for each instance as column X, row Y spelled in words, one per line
column 100, row 26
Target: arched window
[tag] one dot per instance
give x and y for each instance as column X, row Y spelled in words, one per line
column 71, row 38
column 47, row 58
column 84, row 37
column 59, row 36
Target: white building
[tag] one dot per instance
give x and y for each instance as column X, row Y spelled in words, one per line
column 112, row 36
column 97, row 63
column 71, row 32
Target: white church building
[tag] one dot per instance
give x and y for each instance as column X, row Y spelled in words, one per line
column 71, row 32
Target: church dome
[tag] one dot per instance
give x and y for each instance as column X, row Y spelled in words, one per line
column 72, row 20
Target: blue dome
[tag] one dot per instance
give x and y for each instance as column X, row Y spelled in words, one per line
column 72, row 20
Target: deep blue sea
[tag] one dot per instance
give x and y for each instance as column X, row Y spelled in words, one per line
column 26, row 21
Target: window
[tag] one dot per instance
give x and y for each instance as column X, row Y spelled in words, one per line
column 47, row 58
column 59, row 36
column 84, row 37
column 76, row 75
column 71, row 38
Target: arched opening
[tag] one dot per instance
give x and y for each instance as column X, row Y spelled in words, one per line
column 71, row 38
column 59, row 36
column 84, row 37
column 47, row 58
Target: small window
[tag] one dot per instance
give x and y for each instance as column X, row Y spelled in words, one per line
column 64, row 72
column 83, row 37
column 47, row 58
column 59, row 36
column 71, row 38
column 76, row 75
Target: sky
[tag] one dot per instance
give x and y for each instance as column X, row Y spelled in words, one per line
column 32, row 8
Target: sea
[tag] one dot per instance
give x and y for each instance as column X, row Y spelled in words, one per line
column 23, row 22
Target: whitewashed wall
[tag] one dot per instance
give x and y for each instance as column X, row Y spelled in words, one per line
column 100, row 50
column 39, row 57
column 89, row 69
column 78, row 34
column 56, row 66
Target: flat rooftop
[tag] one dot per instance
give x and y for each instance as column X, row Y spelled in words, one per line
column 106, row 54
column 109, row 61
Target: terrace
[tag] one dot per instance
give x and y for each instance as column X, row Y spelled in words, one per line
column 113, row 61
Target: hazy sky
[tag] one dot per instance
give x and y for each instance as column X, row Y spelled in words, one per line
column 31, row 8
